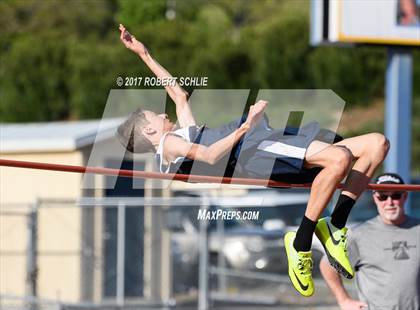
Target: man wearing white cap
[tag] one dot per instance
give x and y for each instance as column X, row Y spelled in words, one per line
column 385, row 254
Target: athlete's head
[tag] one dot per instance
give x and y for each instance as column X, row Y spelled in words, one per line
column 142, row 130
column 390, row 204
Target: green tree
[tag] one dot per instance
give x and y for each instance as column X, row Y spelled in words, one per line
column 35, row 69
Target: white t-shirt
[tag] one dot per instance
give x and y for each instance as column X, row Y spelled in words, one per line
column 183, row 133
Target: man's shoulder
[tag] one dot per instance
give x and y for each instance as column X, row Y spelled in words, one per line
column 365, row 224
column 375, row 223
column 360, row 228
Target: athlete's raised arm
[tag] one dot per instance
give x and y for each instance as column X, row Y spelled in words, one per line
column 175, row 91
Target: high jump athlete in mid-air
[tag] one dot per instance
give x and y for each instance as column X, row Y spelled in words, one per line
column 325, row 165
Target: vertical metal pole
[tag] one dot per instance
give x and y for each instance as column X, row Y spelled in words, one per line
column 398, row 113
column 31, row 263
column 221, row 262
column 120, row 253
column 203, row 276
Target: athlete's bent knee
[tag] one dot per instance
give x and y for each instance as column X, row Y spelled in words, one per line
column 379, row 146
column 341, row 161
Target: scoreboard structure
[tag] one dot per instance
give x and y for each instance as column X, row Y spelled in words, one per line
column 382, row 22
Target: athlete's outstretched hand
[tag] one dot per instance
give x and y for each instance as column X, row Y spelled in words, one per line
column 352, row 304
column 256, row 112
column 131, row 42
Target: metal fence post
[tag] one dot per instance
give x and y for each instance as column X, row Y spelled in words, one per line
column 120, row 254
column 221, row 261
column 31, row 263
column 203, row 276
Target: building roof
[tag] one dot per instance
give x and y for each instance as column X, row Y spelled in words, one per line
column 54, row 136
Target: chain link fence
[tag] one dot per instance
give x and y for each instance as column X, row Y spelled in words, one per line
column 145, row 253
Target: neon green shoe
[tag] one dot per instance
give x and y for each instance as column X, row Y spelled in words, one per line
column 334, row 241
column 300, row 267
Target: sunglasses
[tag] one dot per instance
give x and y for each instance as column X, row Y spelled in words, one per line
column 394, row 196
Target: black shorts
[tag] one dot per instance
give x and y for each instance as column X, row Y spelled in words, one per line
column 288, row 168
